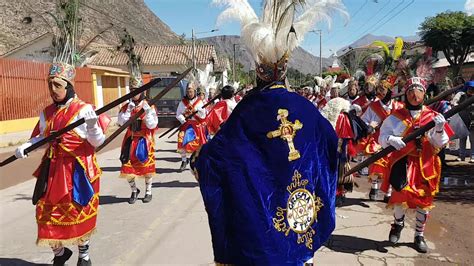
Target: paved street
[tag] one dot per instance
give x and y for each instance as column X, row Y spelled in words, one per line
column 173, row 229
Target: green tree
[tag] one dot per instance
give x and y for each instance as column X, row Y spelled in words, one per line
column 453, row 34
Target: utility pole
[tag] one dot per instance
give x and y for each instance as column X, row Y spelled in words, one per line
column 233, row 64
column 194, row 50
column 320, row 53
column 193, row 38
column 320, row 32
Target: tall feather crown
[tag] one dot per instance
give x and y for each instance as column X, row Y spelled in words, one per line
column 127, row 45
column 281, row 28
column 66, row 36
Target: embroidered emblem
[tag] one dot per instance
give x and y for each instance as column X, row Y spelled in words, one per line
column 300, row 213
column 287, row 131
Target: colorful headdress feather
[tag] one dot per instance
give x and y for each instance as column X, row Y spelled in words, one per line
column 280, row 29
column 127, row 45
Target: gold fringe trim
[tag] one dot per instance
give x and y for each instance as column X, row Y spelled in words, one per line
column 187, row 152
column 391, row 205
column 223, row 264
column 405, row 206
column 133, row 176
column 65, row 242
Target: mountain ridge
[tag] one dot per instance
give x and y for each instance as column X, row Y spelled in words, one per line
column 300, row 59
column 24, row 21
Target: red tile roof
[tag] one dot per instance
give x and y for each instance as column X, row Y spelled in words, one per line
column 156, row 55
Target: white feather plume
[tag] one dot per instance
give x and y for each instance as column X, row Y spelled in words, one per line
column 341, row 86
column 205, row 80
column 320, row 82
column 235, row 85
column 333, row 108
column 282, row 25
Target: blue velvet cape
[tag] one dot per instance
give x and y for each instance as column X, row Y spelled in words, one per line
column 243, row 177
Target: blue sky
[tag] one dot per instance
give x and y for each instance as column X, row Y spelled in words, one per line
column 377, row 17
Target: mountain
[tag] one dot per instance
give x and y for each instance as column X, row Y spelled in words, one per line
column 300, row 59
column 26, row 20
column 369, row 38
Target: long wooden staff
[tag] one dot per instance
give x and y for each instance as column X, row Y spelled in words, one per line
column 194, row 113
column 139, row 113
column 372, row 159
column 79, row 122
column 442, row 95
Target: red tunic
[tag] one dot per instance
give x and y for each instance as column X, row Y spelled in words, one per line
column 134, row 167
column 196, row 125
column 321, row 102
column 218, row 115
column 363, row 102
column 60, row 219
column 370, row 145
column 423, row 166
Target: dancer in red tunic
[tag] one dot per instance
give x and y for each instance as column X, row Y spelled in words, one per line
column 192, row 133
column 138, row 146
column 67, row 189
column 415, row 168
column 375, row 114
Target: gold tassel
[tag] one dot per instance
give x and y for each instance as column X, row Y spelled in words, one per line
column 65, row 242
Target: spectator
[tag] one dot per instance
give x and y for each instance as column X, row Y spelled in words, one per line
column 467, row 116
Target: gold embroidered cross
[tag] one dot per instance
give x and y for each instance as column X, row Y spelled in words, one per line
column 287, row 131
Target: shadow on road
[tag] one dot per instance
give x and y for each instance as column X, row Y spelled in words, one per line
column 166, row 170
column 351, row 202
column 111, row 169
column 175, row 184
column 10, row 261
column 161, row 150
column 22, row 197
column 108, row 199
column 353, row 244
column 169, row 159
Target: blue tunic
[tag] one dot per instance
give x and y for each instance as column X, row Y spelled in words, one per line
column 246, row 181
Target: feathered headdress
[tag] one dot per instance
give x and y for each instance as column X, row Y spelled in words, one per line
column 206, row 81
column 382, row 67
column 333, row 108
column 281, row 28
column 390, row 56
column 67, row 32
column 419, row 66
column 127, row 45
column 66, row 36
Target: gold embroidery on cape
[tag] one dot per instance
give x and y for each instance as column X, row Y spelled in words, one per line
column 287, row 131
column 301, row 211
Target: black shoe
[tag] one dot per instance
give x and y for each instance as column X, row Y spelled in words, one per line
column 147, row 198
column 395, row 233
column 61, row 260
column 373, row 194
column 134, row 196
column 420, row 244
column 386, row 199
column 83, row 262
column 183, row 165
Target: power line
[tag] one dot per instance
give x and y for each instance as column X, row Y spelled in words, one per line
column 360, row 8
column 370, row 19
column 390, row 12
column 352, row 18
column 409, row 4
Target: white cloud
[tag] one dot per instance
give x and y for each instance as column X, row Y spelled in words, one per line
column 469, row 7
